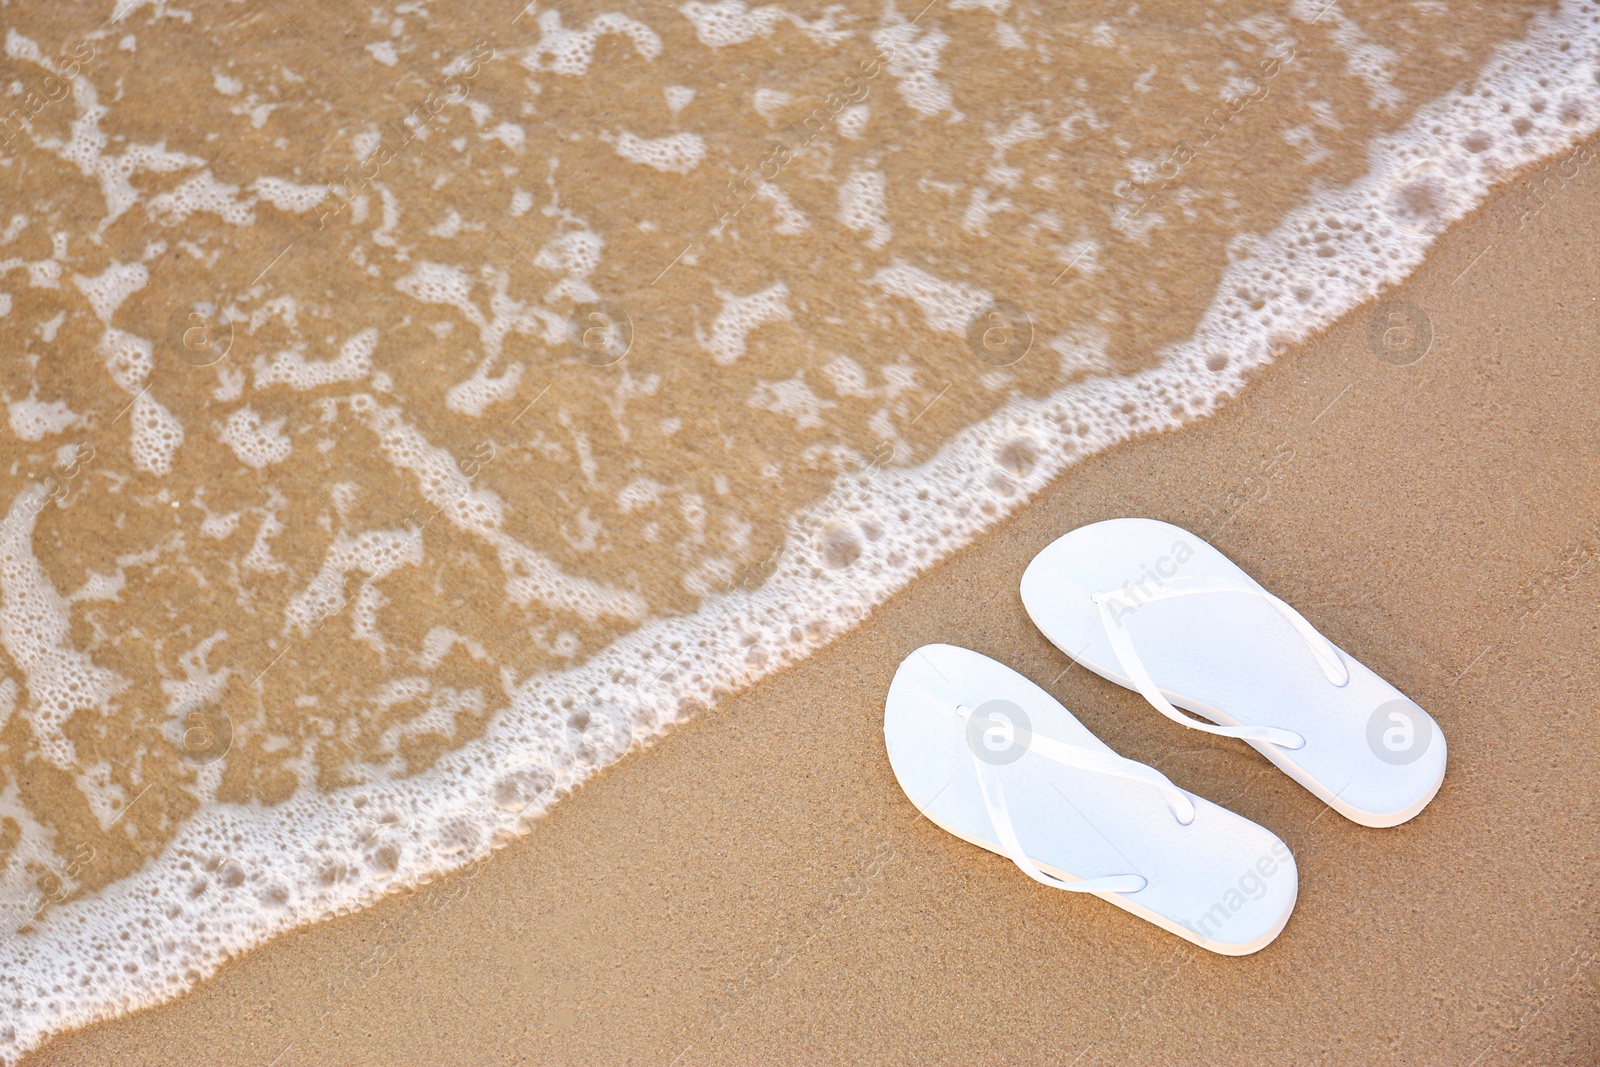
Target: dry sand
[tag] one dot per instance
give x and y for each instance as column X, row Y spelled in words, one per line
column 756, row 889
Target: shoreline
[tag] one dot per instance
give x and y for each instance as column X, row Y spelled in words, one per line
column 756, row 887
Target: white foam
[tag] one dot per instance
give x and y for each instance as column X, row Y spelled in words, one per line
column 107, row 290
column 853, row 121
column 157, row 433
column 235, row 874
column 793, row 398
column 742, row 314
column 440, row 283
column 255, row 443
column 33, row 419
column 86, row 149
column 576, row 253
column 128, row 358
column 569, row 52
column 35, row 628
column 259, row 557
column 768, row 102
column 791, row 222
column 948, row 307
column 42, row 273
column 638, row 494
column 35, row 850
column 678, row 153
column 202, row 192
column 914, row 63
column 730, row 22
column 374, row 553
column 678, row 97
column 862, row 207
column 25, row 48
column 1372, row 63
column 975, row 220
column 199, row 686
column 473, row 396
column 286, row 195
column 449, row 227
column 530, row 575
column 1007, row 36
column 291, row 368
column 440, row 718
column 509, row 134
column 1083, row 351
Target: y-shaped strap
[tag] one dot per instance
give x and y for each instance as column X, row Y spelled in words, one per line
column 1118, row 603
column 1078, row 758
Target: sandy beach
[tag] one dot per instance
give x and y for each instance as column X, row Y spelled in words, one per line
column 755, row 888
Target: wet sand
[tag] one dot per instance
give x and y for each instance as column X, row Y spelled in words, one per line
column 756, row 889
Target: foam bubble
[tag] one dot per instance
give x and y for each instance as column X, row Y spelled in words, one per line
column 473, row 396
column 742, row 314
column 733, row 22
column 157, row 433
column 257, row 444
column 678, row 97
column 530, row 575
column 914, row 63
column 286, row 195
column 730, row 22
column 374, row 553
column 768, row 102
column 35, row 628
column 791, row 222
column 678, row 153
column 202, row 192
column 853, row 121
column 947, row 306
column 793, row 398
column 108, row 289
column 291, row 368
column 128, row 358
column 33, row 419
column 862, row 208
column 570, row 52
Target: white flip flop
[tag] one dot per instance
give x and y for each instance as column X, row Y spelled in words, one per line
column 1154, row 608
column 995, row 760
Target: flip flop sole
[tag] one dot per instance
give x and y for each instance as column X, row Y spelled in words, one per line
column 1371, row 753
column 1221, row 882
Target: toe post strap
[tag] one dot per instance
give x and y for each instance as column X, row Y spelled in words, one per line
column 1116, row 605
column 1013, row 736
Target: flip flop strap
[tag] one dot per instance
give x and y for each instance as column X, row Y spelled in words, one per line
column 995, row 801
column 1082, row 758
column 1117, row 603
column 1076, row 757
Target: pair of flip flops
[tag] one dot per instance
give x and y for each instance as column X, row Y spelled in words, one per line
column 994, row 759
